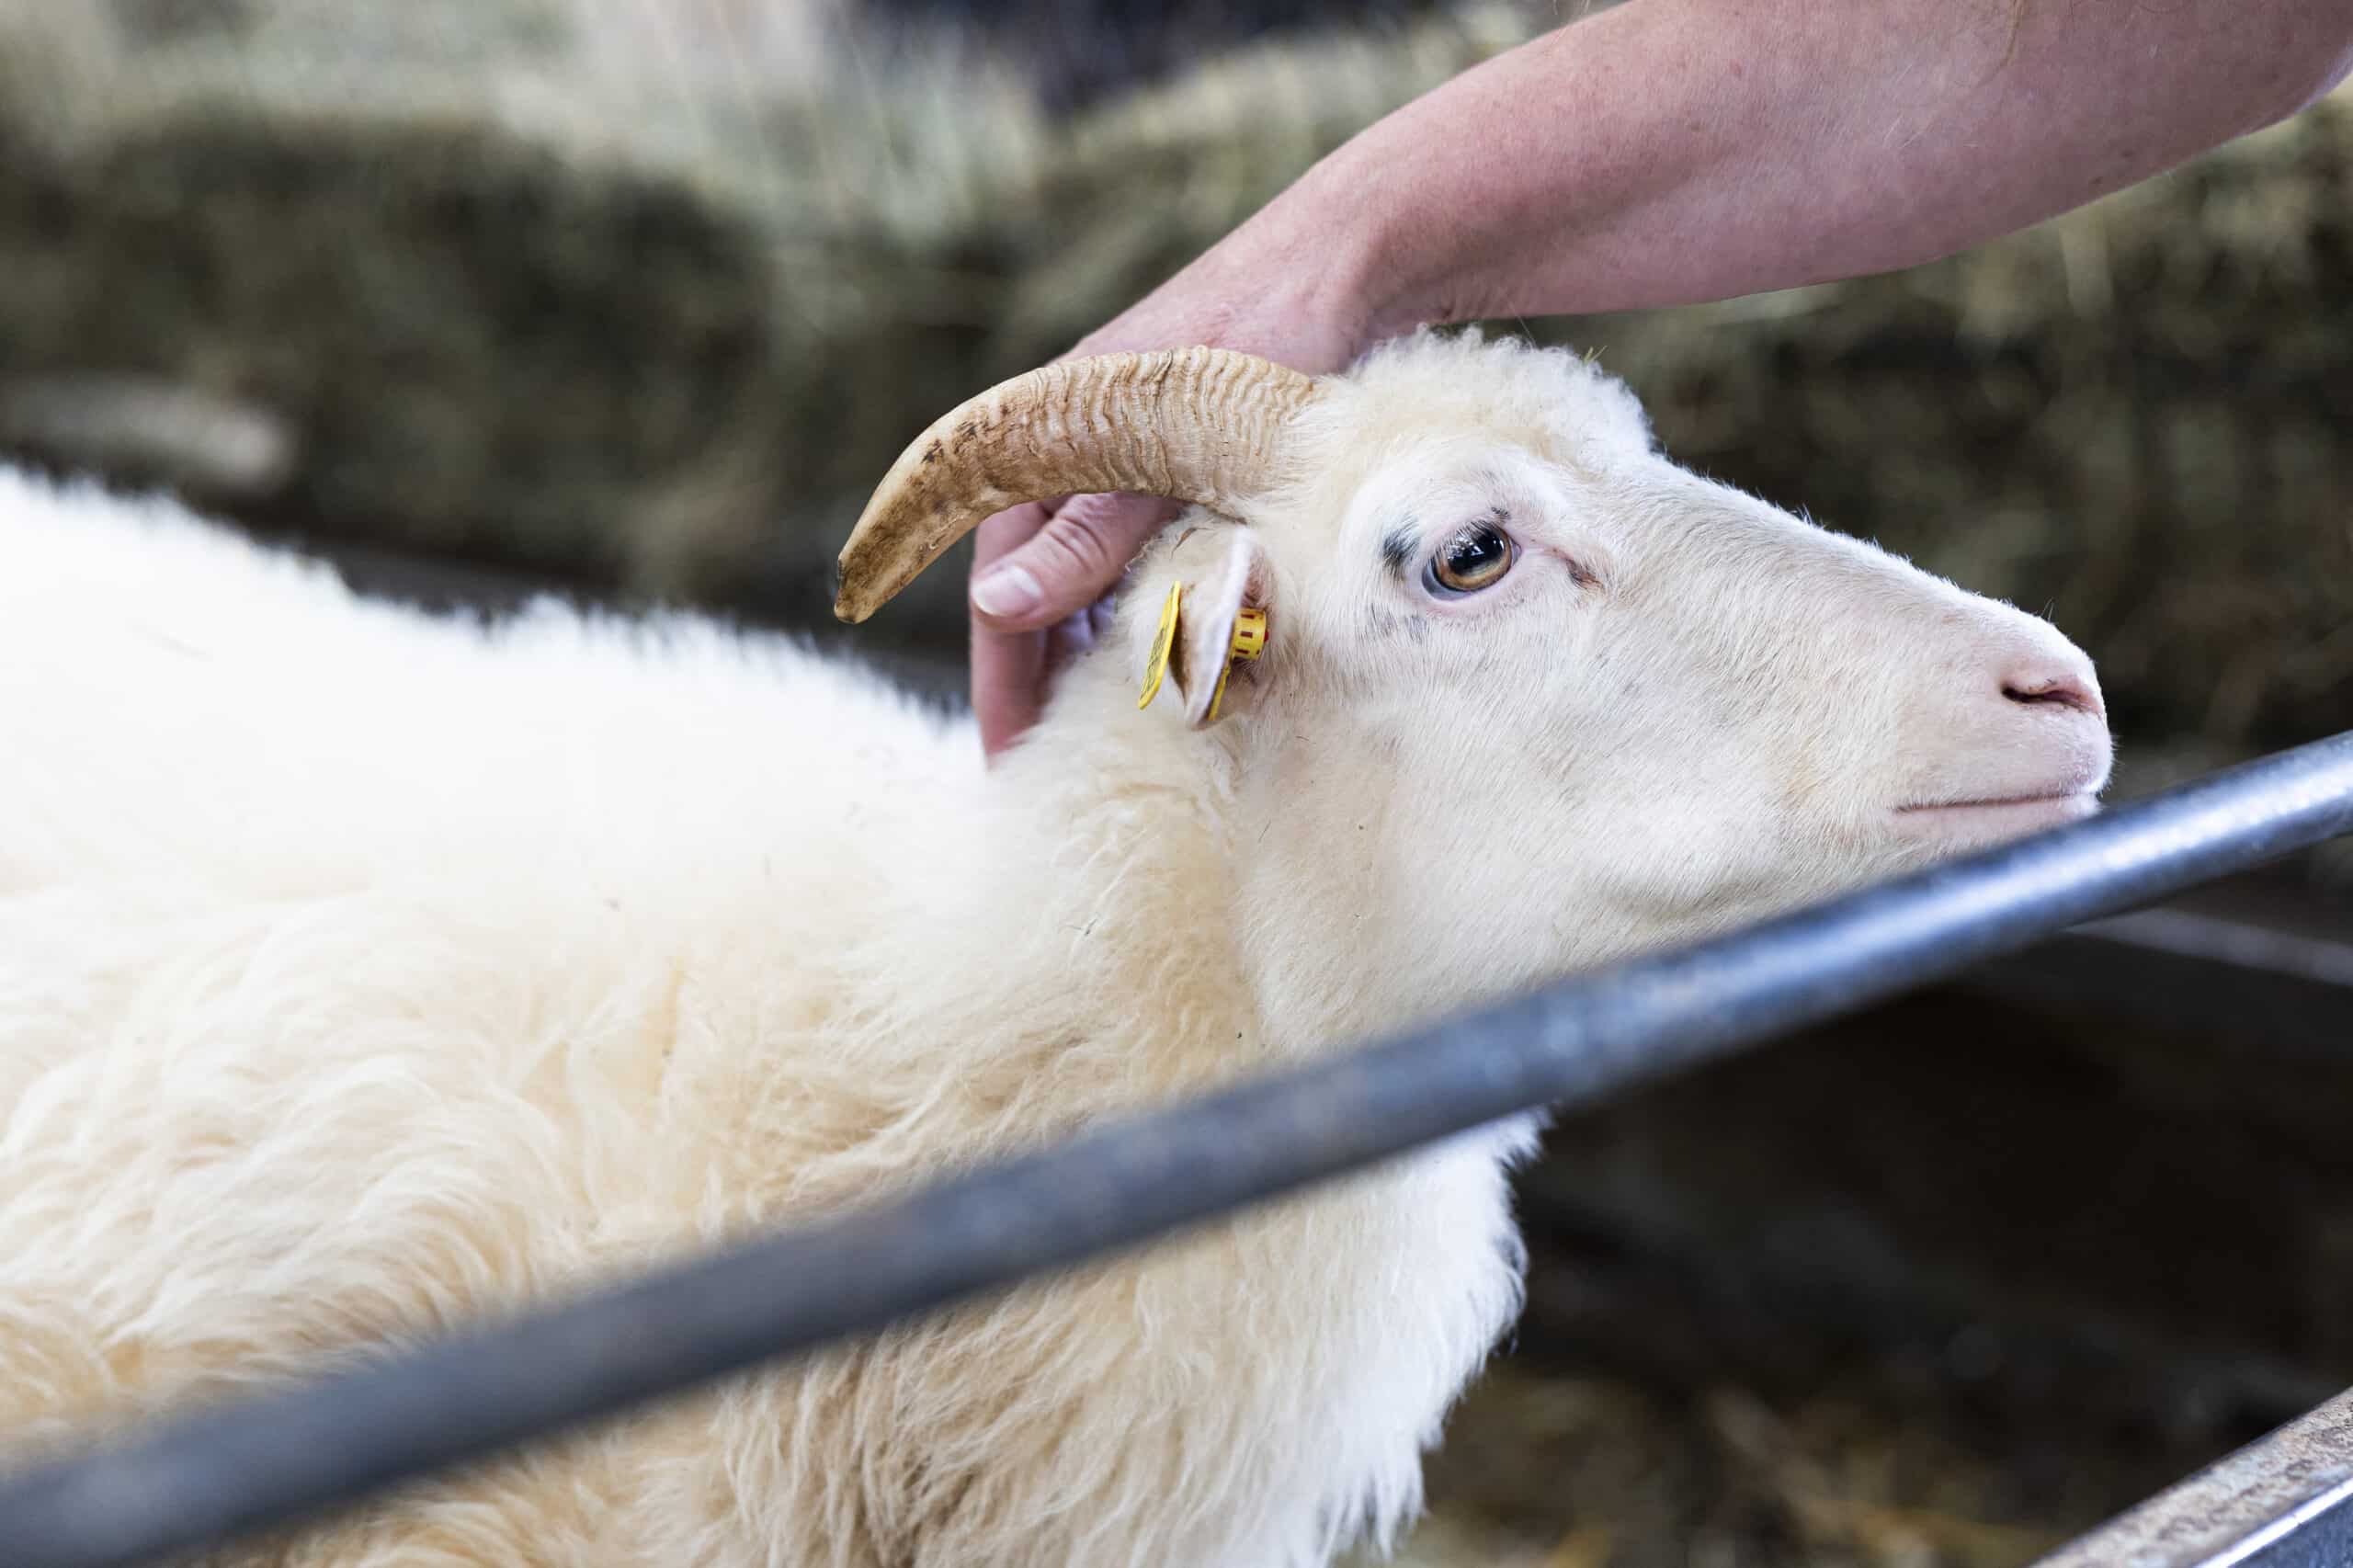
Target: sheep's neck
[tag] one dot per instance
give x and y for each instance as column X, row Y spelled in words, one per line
column 1225, row 893
column 1108, row 862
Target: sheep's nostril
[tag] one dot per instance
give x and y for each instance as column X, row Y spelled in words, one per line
column 2055, row 691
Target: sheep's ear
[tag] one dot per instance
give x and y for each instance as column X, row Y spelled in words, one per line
column 1208, row 625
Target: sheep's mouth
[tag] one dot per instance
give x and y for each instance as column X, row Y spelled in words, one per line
column 2043, row 808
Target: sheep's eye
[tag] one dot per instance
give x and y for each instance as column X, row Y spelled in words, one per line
column 1475, row 559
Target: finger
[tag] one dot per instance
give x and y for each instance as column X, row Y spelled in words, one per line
column 1008, row 530
column 1008, row 684
column 1014, row 672
column 1008, row 668
column 1065, row 565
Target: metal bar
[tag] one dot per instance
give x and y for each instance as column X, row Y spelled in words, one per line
column 2285, row 1501
column 206, row 1476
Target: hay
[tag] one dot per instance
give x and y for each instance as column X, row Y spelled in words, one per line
column 626, row 305
column 1552, row 1467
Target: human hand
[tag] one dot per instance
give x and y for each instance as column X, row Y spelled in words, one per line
column 1044, row 576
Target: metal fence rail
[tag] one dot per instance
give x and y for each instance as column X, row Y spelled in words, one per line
column 201, row 1477
column 2285, row 1501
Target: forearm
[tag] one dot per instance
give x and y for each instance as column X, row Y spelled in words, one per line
column 1673, row 151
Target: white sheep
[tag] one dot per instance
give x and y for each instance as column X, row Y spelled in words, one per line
column 361, row 972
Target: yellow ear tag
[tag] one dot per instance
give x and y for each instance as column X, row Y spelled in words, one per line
column 1249, row 634
column 1162, row 641
column 1249, row 641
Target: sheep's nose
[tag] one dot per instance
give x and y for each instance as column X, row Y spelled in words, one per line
column 2048, row 677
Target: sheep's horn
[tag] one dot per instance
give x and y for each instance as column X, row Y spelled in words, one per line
column 1203, row 424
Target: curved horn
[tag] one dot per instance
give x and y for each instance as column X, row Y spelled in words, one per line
column 1203, row 424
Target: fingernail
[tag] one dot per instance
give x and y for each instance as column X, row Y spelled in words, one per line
column 1006, row 590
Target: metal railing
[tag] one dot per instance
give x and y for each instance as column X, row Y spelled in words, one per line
column 200, row 1477
column 2283, row 1502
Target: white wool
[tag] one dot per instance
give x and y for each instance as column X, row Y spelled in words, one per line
column 361, row 972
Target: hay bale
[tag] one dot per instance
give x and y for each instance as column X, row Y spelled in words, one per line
column 580, row 289
column 513, row 301
column 477, row 352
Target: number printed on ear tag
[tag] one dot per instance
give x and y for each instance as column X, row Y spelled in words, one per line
column 1162, row 641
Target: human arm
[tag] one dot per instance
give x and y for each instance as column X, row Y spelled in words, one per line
column 1667, row 151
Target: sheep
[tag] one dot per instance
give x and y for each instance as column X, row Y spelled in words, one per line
column 362, row 973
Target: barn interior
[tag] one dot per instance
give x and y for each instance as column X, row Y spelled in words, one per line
column 635, row 300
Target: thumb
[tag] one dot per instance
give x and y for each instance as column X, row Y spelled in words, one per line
column 1069, row 564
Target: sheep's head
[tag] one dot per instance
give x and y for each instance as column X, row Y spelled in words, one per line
column 1532, row 694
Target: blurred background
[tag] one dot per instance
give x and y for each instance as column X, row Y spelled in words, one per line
column 636, row 298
